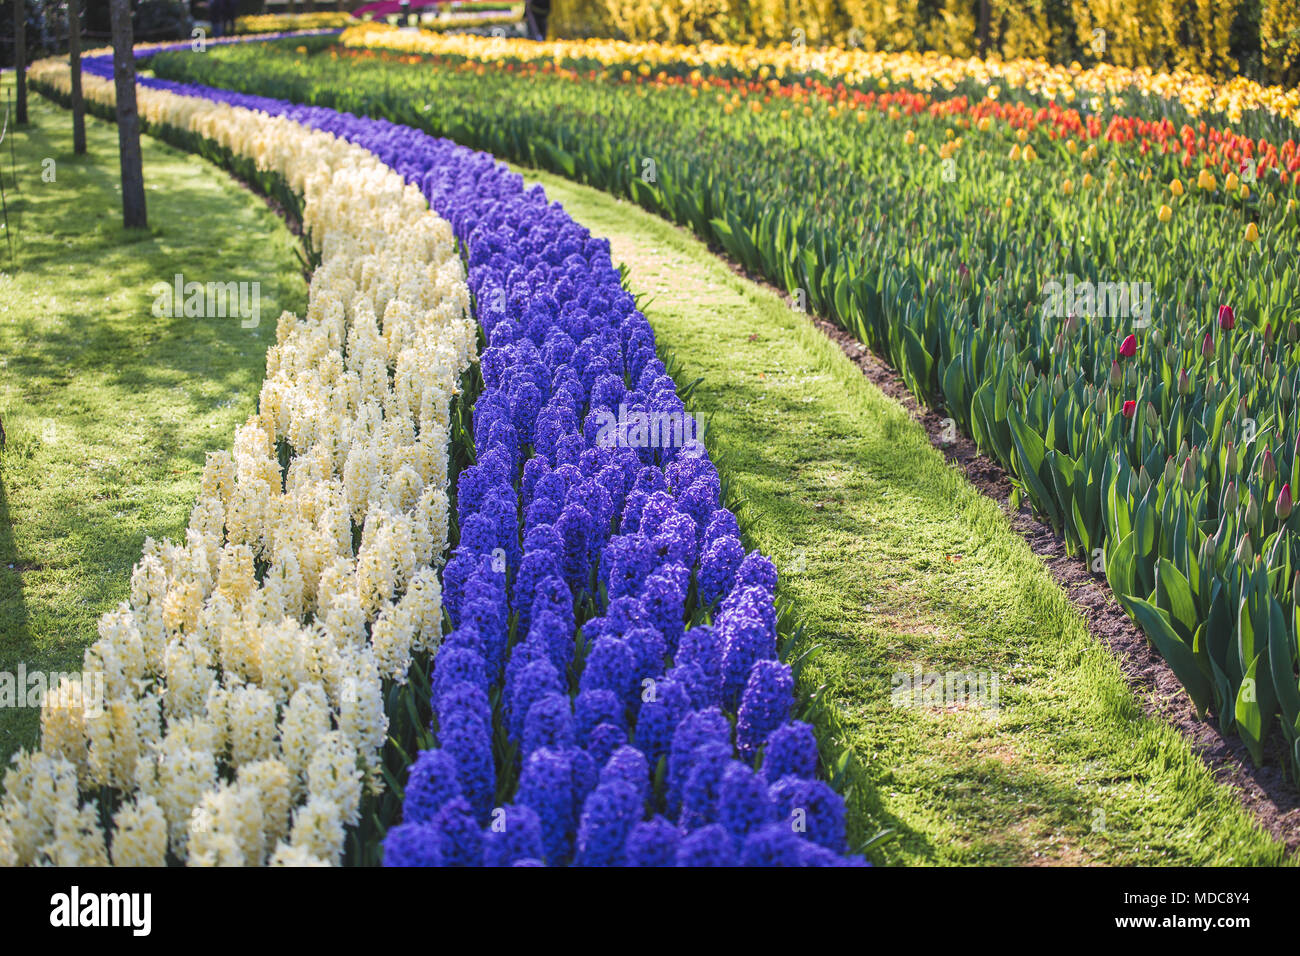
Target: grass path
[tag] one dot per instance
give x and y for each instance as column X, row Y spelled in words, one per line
column 110, row 411
column 896, row 563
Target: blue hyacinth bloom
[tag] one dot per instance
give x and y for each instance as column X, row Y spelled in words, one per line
column 514, row 834
column 430, row 783
column 708, row 846
column 652, row 842
column 412, row 844
column 764, row 705
column 790, row 751
column 607, row 816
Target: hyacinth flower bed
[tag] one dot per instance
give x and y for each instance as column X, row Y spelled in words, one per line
column 609, row 690
column 243, row 715
column 638, row 535
column 1147, row 409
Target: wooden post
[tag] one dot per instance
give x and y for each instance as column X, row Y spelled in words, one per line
column 74, row 61
column 20, row 60
column 128, row 120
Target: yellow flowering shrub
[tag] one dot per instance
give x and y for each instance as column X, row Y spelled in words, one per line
column 243, row 719
column 1191, row 35
column 1279, row 35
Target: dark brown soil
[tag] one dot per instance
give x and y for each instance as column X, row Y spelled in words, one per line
column 1266, row 792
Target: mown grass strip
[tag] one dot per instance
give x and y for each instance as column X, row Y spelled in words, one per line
column 109, row 411
column 895, row 562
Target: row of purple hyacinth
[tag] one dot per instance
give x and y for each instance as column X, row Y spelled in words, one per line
column 639, row 740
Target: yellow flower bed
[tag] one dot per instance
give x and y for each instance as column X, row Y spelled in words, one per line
column 242, row 718
column 288, row 22
column 924, row 71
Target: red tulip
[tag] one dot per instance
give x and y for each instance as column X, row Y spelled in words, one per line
column 1207, row 346
column 1227, row 319
column 1129, row 409
column 1284, row 503
column 1129, row 348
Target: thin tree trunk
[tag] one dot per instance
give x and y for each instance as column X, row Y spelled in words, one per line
column 128, row 120
column 20, row 60
column 985, row 16
column 74, row 61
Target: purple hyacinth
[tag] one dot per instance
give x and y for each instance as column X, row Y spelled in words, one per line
column 607, row 816
column 764, row 705
column 412, row 844
column 514, row 834
column 708, row 846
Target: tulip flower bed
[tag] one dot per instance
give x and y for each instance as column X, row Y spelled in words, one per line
column 1156, row 431
column 1179, row 97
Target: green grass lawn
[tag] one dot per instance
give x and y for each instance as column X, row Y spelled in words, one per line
column 895, row 561
column 110, row 411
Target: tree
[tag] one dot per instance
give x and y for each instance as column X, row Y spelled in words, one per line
column 20, row 60
column 74, row 61
column 128, row 119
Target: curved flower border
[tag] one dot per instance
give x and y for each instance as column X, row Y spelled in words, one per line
column 242, row 714
column 612, row 665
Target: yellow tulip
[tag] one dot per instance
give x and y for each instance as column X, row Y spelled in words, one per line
column 1067, row 187
column 1176, row 187
column 909, row 138
column 1071, row 147
column 1230, row 184
column 985, row 124
column 1290, row 205
column 1245, row 191
column 1015, row 153
column 1165, row 214
column 1206, row 180
column 1009, row 203
column 1252, row 233
column 1087, row 180
column 1022, row 136
column 1029, row 154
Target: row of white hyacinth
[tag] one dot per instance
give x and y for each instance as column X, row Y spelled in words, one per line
column 242, row 716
